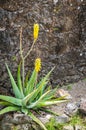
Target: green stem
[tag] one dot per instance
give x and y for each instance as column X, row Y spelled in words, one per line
column 30, row 50
column 21, row 51
column 22, row 57
column 36, row 79
column 23, row 78
column 35, row 119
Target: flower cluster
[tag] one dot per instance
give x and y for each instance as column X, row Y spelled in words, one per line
column 37, row 65
column 36, row 31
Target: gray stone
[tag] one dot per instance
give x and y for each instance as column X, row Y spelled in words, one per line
column 62, row 119
column 62, row 92
column 19, row 118
column 55, row 1
column 78, row 127
column 17, row 121
column 71, row 109
column 45, row 118
column 69, row 127
column 82, row 107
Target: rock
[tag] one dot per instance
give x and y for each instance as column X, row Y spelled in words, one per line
column 17, row 121
column 71, row 109
column 45, row 118
column 55, row 2
column 7, row 126
column 69, row 127
column 61, row 41
column 82, row 107
column 19, row 118
column 62, row 92
column 62, row 119
column 78, row 127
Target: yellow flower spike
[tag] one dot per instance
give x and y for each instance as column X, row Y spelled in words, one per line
column 37, row 65
column 36, row 31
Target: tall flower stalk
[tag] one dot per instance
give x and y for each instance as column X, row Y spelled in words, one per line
column 23, row 58
column 35, row 36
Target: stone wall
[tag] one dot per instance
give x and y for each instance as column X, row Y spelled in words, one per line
column 61, row 40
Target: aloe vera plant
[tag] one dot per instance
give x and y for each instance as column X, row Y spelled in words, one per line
column 31, row 97
column 29, row 94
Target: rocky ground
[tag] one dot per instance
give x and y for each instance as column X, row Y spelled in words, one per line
column 77, row 92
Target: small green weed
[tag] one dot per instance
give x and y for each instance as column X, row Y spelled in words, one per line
column 75, row 120
column 53, row 125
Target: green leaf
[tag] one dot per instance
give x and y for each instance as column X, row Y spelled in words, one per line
column 49, row 111
column 26, row 78
column 9, row 109
column 12, row 100
column 36, row 95
column 24, row 110
column 33, row 95
column 19, row 79
column 3, row 103
column 28, row 97
column 41, row 86
column 31, row 84
column 48, row 103
column 34, row 118
column 44, row 82
column 62, row 98
column 33, row 105
column 15, row 88
column 50, row 95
